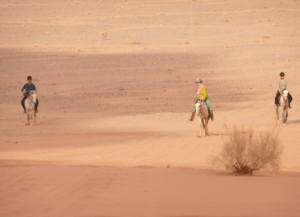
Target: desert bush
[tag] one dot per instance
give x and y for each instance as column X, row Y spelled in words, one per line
column 104, row 35
column 134, row 40
column 245, row 152
column 194, row 21
column 94, row 49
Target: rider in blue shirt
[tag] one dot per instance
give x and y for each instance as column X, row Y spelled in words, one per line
column 28, row 87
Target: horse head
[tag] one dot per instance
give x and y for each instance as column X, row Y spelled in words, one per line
column 283, row 98
column 285, row 94
column 201, row 109
column 197, row 106
column 284, row 103
column 32, row 95
column 32, row 92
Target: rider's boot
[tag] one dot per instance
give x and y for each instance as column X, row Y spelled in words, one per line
column 290, row 106
column 192, row 116
column 212, row 116
column 24, row 111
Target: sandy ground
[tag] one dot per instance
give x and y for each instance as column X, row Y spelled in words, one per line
column 112, row 136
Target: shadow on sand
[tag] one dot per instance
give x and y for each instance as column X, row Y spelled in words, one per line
column 294, row 122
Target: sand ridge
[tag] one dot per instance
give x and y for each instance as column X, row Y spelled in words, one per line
column 112, row 136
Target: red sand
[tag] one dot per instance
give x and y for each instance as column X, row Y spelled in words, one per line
column 118, row 191
column 113, row 114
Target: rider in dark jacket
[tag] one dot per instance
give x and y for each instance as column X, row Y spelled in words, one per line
column 26, row 88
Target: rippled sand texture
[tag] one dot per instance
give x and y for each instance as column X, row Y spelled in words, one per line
column 115, row 81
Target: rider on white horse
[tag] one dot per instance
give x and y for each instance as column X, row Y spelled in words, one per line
column 26, row 88
column 282, row 85
column 201, row 90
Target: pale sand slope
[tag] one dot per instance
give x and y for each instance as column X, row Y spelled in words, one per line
column 115, row 103
column 118, row 191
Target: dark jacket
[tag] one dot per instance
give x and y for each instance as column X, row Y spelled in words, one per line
column 28, row 87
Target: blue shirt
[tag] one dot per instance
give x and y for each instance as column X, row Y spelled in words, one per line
column 28, row 87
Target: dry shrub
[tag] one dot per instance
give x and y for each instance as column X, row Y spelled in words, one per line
column 134, row 40
column 94, row 49
column 104, row 35
column 245, row 152
column 194, row 21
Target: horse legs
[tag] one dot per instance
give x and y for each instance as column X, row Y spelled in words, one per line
column 34, row 117
column 206, row 128
column 277, row 113
column 31, row 119
column 283, row 115
column 27, row 118
column 201, row 126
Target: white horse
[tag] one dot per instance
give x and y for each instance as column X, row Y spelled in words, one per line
column 204, row 116
column 30, row 107
column 284, row 104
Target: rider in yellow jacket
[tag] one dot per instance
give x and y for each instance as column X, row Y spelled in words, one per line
column 201, row 91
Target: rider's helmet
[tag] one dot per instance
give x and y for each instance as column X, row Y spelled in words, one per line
column 29, row 78
column 198, row 80
column 281, row 74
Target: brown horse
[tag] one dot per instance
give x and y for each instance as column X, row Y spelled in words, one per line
column 204, row 116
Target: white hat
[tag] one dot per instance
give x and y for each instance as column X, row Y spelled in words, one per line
column 198, row 80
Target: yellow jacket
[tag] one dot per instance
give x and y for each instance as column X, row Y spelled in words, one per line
column 202, row 92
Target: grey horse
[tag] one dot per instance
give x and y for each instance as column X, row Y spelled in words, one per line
column 284, row 104
column 30, row 107
column 204, row 116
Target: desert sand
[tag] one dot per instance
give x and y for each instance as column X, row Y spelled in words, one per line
column 115, row 81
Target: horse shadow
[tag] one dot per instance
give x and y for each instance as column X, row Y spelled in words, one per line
column 294, row 122
column 216, row 134
column 220, row 134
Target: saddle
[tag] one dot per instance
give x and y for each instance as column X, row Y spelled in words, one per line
column 204, row 101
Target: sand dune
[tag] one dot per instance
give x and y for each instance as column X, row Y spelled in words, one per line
column 112, row 136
